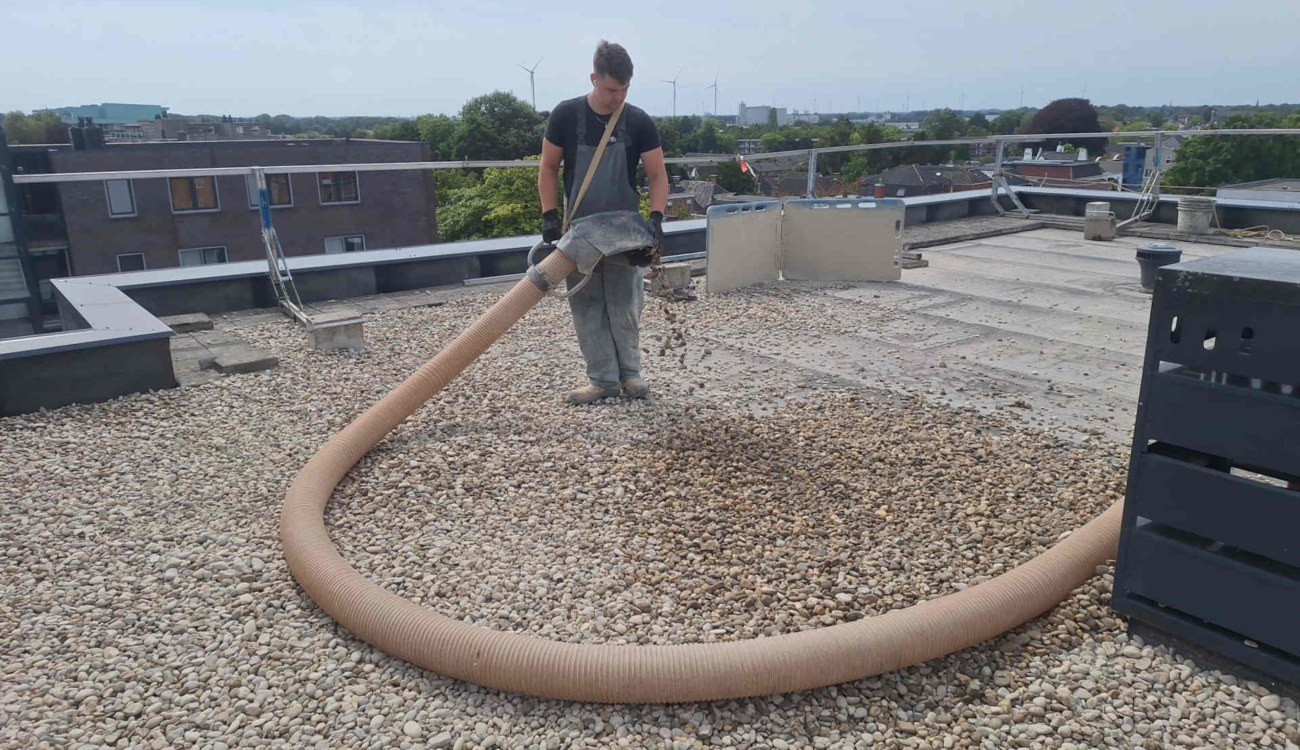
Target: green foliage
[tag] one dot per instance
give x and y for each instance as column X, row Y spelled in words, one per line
column 406, row 130
column 1211, row 161
column 978, row 120
column 1007, row 122
column 732, row 178
column 325, row 127
column 498, row 126
column 944, row 124
column 439, row 131
column 41, row 128
column 503, row 204
column 447, row 180
column 771, row 117
column 857, row 165
column 773, row 142
column 669, row 137
column 707, row 137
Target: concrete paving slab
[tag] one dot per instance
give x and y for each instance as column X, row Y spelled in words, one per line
column 1116, row 303
column 188, row 323
column 245, row 359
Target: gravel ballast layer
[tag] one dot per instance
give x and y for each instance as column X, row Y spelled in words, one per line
column 147, row 603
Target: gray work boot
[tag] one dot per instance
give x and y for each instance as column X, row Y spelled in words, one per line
column 635, row 387
column 590, row 394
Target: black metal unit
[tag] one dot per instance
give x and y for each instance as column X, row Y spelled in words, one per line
column 1209, row 549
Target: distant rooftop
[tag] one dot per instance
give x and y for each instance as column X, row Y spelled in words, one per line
column 108, row 113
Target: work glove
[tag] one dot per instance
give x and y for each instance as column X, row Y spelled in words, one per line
column 657, row 226
column 551, row 226
column 646, row 256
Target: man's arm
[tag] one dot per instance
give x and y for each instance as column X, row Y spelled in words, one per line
column 657, row 177
column 548, row 175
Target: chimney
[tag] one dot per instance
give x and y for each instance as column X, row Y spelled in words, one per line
column 87, row 135
column 879, row 190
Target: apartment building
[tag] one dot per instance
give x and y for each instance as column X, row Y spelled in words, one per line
column 108, row 226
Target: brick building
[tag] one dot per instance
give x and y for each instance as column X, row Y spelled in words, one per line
column 126, row 225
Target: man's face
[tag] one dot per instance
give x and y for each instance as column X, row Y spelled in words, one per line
column 609, row 93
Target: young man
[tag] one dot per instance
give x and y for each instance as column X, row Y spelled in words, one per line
column 607, row 311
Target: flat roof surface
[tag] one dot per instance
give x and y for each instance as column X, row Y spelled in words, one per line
column 795, row 467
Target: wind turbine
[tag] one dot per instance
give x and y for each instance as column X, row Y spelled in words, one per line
column 715, row 92
column 674, row 83
column 532, row 82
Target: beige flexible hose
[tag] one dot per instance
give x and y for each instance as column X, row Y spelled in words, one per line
column 640, row 674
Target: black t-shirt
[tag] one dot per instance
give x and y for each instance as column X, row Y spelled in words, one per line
column 562, row 130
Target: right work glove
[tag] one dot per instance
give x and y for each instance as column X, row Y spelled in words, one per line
column 551, row 226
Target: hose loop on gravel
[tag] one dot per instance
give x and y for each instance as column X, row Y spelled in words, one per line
column 639, row 674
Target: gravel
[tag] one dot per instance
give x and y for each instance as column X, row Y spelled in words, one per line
column 147, row 603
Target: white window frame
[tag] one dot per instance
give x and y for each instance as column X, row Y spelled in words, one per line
column 253, row 204
column 345, row 237
column 321, row 197
column 181, row 254
column 216, row 193
column 144, row 262
column 108, row 198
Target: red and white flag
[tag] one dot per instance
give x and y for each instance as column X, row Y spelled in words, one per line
column 744, row 165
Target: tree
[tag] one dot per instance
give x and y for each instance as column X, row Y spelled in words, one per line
column 439, row 131
column 1069, row 116
column 1007, row 122
column 669, row 137
column 1207, row 113
column 978, row 120
column 773, row 142
column 44, row 127
column 944, row 124
column 731, row 178
column 498, row 126
column 707, row 137
column 771, row 117
column 1157, row 119
column 503, row 204
column 1215, row 160
column 406, row 130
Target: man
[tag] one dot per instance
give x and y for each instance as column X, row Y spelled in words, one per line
column 607, row 311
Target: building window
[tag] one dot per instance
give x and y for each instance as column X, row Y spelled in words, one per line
column 352, row 243
column 194, row 194
column 338, row 187
column 130, row 262
column 203, row 256
column 121, row 198
column 278, row 191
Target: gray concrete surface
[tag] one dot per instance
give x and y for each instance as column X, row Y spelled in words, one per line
column 188, row 323
column 203, row 356
column 1044, row 324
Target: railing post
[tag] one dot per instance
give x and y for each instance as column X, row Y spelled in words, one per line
column 812, row 173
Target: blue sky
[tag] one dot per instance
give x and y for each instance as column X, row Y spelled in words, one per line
column 405, row 58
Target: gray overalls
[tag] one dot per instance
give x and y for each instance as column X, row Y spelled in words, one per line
column 607, row 311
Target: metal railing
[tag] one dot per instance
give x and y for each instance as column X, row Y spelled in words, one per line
column 810, row 153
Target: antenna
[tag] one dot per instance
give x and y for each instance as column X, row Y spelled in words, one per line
column 715, row 91
column 674, row 83
column 532, row 82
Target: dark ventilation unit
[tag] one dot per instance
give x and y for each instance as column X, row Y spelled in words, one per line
column 1209, row 548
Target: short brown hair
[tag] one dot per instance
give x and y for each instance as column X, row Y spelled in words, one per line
column 613, row 61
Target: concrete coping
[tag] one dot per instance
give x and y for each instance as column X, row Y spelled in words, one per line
column 109, row 317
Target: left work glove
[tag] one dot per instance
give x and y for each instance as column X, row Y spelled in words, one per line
column 657, row 226
column 646, row 256
column 552, row 227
